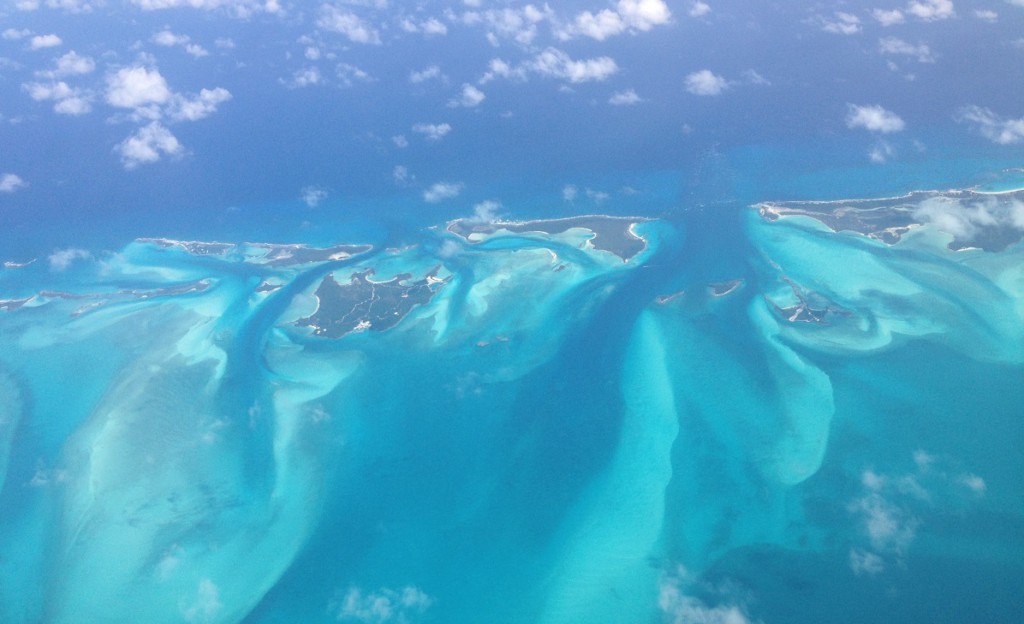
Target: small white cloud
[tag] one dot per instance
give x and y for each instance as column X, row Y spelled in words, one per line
column 199, row 107
column 205, row 606
column 400, row 141
column 429, row 27
column 433, row 132
column 873, row 118
column 599, row 197
column 442, row 190
column 137, row 86
column 628, row 16
column 147, row 145
column 843, row 24
column 334, row 19
column 195, row 50
column 931, row 10
column 888, row 17
column 557, row 64
column 385, row 606
column 12, row 34
column 61, row 259
column 881, row 152
column 471, row 97
column 973, row 482
column 1002, row 130
column 986, row 15
column 680, row 608
column 752, row 77
column 625, row 98
column 44, row 41
column 313, row 195
column 67, row 100
column 699, row 9
column 705, row 82
column 569, row 192
column 305, row 77
column 485, row 212
column 224, row 43
column 167, row 38
column 894, row 45
column 73, row 64
column 10, row 182
column 400, row 174
column 554, row 63
column 348, row 74
column 864, row 562
column 428, row 73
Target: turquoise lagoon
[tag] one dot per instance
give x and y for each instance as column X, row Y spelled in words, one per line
column 749, row 420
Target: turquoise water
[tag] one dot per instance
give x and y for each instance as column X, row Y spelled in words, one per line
column 545, row 441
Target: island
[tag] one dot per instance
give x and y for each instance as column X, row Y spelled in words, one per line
column 990, row 221
column 363, row 304
column 612, row 234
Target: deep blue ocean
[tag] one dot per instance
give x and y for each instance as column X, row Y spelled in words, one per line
column 606, row 442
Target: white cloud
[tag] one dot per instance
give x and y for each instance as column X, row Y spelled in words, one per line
column 471, row 97
column 597, row 196
column 44, row 41
column 517, row 24
column 485, row 212
column 348, row 74
column 752, row 77
column 385, row 606
column 167, row 39
column 73, row 64
column 237, row 8
column 873, row 118
column 894, row 45
column 843, row 24
column 400, row 174
column 135, row 87
column 628, row 16
column 147, row 145
column 199, row 107
column 889, row 528
column 557, row 64
column 426, row 74
column 881, row 152
column 67, row 100
column 705, row 82
column 931, row 10
column 12, row 34
column 864, row 562
column 986, row 15
column 888, row 17
column 428, row 27
column 313, row 195
column 965, row 221
column 349, row 24
column 206, row 605
column 972, row 481
column 442, row 190
column 305, row 77
column 625, row 98
column 61, row 259
column 569, row 192
column 400, row 141
column 699, row 9
column 433, row 132
column 1002, row 130
column 680, row 608
column 10, row 182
